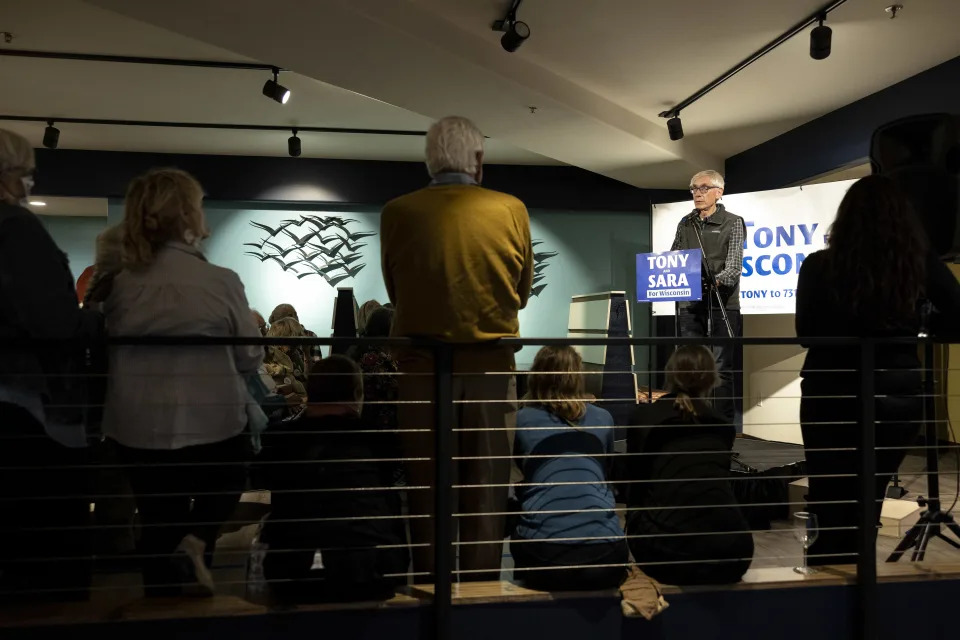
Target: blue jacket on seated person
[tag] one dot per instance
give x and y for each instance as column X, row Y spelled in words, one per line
column 595, row 518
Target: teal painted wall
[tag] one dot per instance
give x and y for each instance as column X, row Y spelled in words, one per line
column 596, row 252
column 76, row 236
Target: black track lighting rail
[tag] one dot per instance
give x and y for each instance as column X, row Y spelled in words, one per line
column 511, row 16
column 211, row 125
column 172, row 62
column 814, row 18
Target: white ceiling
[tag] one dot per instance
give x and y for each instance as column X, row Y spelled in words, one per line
column 60, row 88
column 599, row 73
column 647, row 56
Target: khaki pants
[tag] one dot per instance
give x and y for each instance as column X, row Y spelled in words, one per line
column 481, row 401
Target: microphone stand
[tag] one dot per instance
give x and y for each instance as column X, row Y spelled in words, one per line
column 713, row 291
column 711, row 285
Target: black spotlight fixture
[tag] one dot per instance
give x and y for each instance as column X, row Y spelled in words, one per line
column 515, row 32
column 293, row 145
column 675, row 128
column 516, row 35
column 274, row 90
column 51, row 136
column 821, row 39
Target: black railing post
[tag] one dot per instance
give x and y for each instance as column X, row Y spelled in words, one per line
column 867, row 546
column 443, row 492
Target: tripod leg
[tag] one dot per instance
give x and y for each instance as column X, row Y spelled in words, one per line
column 929, row 531
column 952, row 543
column 908, row 542
column 955, row 528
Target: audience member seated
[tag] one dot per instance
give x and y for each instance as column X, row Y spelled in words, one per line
column 574, row 524
column 287, row 365
column 379, row 370
column 872, row 280
column 43, row 488
column 108, row 262
column 260, row 322
column 363, row 313
column 680, row 463
column 322, row 533
column 287, row 311
column 177, row 414
column 380, row 373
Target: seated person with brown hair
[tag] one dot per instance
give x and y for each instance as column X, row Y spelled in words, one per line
column 680, row 494
column 322, row 534
column 286, row 310
column 568, row 535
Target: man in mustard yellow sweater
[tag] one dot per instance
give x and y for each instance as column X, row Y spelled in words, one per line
column 458, row 266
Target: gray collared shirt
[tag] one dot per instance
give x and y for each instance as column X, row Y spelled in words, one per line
column 453, row 178
column 173, row 397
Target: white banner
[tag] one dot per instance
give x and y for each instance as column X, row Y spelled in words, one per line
column 784, row 226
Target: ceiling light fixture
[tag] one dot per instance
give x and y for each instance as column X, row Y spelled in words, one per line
column 293, row 145
column 274, row 90
column 893, row 10
column 675, row 127
column 37, row 203
column 51, row 136
column 820, row 40
column 515, row 32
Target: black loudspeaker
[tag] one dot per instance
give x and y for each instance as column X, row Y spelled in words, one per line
column 922, row 155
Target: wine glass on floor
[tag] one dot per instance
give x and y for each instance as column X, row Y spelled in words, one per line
column 805, row 531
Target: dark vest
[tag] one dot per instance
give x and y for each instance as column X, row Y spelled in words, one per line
column 715, row 232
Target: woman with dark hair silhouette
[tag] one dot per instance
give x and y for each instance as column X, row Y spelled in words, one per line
column 872, row 280
column 684, row 524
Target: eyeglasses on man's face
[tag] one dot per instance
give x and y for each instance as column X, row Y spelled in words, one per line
column 703, row 188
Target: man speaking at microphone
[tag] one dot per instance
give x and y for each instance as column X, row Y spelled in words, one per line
column 722, row 235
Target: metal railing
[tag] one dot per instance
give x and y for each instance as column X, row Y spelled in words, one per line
column 446, row 431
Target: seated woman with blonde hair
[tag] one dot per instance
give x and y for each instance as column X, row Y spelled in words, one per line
column 287, row 365
column 568, row 535
column 681, row 496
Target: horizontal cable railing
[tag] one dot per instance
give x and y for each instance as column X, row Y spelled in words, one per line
column 348, row 483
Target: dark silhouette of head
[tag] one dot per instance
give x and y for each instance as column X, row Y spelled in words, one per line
column 877, row 252
column 379, row 323
column 335, row 385
column 691, row 374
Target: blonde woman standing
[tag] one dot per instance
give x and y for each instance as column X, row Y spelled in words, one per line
column 177, row 414
column 568, row 515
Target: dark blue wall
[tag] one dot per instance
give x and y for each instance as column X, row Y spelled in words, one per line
column 66, row 172
column 842, row 137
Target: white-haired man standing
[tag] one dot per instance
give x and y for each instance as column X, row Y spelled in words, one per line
column 458, row 265
column 722, row 234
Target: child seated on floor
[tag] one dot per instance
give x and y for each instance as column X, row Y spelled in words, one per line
column 322, row 534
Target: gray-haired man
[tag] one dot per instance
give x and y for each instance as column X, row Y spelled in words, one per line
column 722, row 235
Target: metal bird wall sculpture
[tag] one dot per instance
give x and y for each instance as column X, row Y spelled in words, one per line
column 300, row 247
column 325, row 247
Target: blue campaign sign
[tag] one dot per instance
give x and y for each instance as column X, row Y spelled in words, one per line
column 669, row 276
